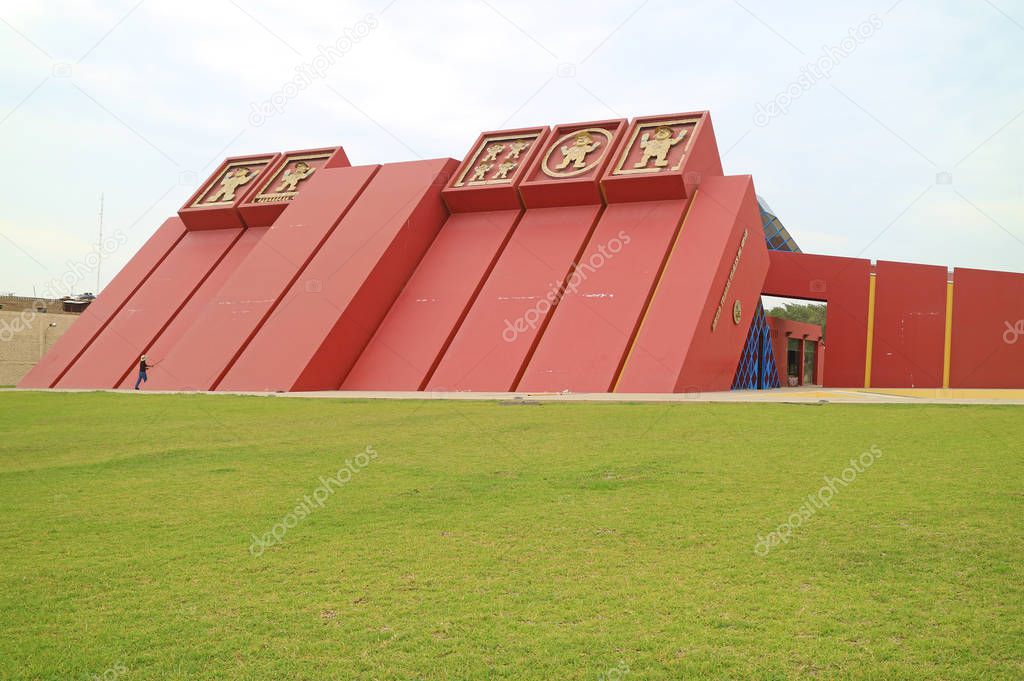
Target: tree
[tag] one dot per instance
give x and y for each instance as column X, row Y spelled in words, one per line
column 811, row 313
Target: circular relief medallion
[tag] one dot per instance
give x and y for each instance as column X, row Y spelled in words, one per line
column 737, row 312
column 576, row 152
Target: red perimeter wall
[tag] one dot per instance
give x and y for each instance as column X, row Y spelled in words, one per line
column 841, row 282
column 910, row 322
column 908, row 341
column 987, row 346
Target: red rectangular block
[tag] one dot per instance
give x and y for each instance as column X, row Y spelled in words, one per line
column 585, row 344
column 910, row 326
column 150, row 309
column 843, row 283
column 215, row 204
column 987, row 348
column 424, row 318
column 569, row 169
column 694, row 329
column 205, row 352
column 188, row 314
column 487, row 177
column 311, row 340
column 113, row 297
column 283, row 180
column 491, row 348
column 663, row 157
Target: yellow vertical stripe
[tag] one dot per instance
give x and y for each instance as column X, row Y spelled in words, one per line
column 947, row 347
column 871, row 331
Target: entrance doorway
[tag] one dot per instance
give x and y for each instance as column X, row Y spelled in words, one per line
column 797, row 329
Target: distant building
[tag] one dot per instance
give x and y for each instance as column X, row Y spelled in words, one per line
column 77, row 304
column 29, row 327
column 799, row 351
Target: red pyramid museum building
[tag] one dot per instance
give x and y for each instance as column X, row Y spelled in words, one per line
column 609, row 256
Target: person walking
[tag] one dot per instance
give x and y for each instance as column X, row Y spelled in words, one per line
column 144, row 366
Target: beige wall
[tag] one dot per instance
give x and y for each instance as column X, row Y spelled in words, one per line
column 24, row 339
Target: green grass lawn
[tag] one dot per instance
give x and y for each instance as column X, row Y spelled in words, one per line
column 489, row 541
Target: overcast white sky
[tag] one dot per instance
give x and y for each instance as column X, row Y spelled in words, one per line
column 910, row 148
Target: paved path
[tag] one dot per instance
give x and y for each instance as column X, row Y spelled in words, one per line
column 805, row 395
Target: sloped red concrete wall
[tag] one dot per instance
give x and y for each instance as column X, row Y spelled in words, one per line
column 91, row 323
column 492, row 345
column 312, row 339
column 150, row 309
column 424, row 318
column 182, row 321
column 680, row 345
column 229, row 321
column 589, row 335
column 419, row 327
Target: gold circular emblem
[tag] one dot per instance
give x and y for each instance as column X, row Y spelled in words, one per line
column 575, row 147
column 737, row 312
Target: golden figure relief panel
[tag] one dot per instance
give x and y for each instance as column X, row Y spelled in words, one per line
column 285, row 183
column 494, row 159
column 654, row 146
column 224, row 189
column 577, row 150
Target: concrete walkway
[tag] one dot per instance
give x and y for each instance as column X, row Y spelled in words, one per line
column 804, row 395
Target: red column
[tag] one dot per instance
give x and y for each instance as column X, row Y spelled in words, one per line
column 803, row 360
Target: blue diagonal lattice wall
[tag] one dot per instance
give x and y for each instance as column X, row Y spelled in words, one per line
column 757, row 370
